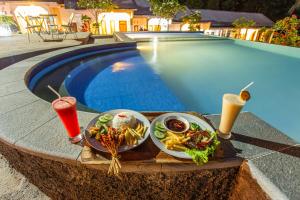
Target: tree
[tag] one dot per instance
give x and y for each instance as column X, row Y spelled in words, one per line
column 243, row 23
column 166, row 8
column 213, row 4
column 195, row 4
column 193, row 20
column 287, row 31
column 228, row 5
column 95, row 7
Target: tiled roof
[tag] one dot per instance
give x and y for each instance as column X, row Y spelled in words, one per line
column 225, row 18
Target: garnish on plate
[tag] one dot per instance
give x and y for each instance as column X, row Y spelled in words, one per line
column 245, row 95
column 198, row 143
column 115, row 131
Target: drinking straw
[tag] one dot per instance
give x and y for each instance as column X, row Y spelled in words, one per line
column 54, row 91
column 247, row 86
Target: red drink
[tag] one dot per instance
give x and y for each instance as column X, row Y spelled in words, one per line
column 66, row 110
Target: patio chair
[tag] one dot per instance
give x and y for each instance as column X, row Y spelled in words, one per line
column 33, row 25
column 68, row 27
column 51, row 27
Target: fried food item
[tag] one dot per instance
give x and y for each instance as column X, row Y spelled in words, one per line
column 174, row 141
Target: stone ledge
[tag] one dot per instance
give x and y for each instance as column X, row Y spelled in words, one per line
column 61, row 180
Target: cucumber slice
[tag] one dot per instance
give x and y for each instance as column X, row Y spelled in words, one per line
column 159, row 134
column 159, row 125
column 102, row 119
column 163, row 130
column 98, row 124
column 108, row 117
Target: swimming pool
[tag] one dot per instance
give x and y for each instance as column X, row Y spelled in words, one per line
column 192, row 76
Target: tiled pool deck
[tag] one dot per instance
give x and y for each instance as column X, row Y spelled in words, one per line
column 28, row 123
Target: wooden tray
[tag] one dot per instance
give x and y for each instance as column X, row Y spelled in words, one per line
column 149, row 153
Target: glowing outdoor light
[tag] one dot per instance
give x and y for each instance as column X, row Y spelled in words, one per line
column 243, row 31
column 5, row 30
column 111, row 21
column 163, row 23
column 185, row 27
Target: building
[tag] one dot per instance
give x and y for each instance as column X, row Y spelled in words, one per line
column 219, row 23
column 131, row 15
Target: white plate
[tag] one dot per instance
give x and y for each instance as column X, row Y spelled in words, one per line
column 96, row 144
column 190, row 118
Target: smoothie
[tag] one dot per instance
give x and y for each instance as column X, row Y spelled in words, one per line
column 232, row 105
column 65, row 108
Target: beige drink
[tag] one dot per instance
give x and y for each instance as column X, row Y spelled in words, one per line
column 232, row 105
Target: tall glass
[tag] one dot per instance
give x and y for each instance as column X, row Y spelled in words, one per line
column 232, row 105
column 65, row 108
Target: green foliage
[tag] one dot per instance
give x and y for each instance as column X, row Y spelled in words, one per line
column 97, row 6
column 201, row 157
column 193, row 20
column 287, row 31
column 85, row 18
column 7, row 20
column 103, row 5
column 243, row 23
column 166, row 8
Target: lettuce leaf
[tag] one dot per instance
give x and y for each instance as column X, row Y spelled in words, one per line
column 200, row 157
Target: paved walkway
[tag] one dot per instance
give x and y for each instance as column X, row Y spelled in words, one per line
column 14, row 185
column 18, row 44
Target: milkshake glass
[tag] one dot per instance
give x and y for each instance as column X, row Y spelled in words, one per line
column 232, row 105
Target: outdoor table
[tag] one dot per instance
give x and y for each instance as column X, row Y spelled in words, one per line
column 50, row 27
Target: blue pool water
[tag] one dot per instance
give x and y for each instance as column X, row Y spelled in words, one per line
column 122, row 80
column 193, row 75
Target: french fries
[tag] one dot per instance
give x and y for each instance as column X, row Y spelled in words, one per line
column 175, row 141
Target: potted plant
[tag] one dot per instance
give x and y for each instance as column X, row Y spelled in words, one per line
column 86, row 20
column 7, row 23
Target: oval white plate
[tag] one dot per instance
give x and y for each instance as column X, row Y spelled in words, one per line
column 96, row 144
column 190, row 118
